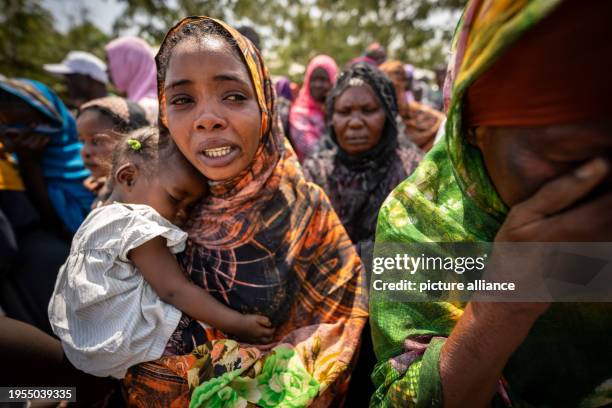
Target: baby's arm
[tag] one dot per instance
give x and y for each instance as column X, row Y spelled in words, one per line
column 162, row 271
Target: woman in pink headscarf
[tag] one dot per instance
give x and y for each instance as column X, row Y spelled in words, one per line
column 307, row 117
column 132, row 70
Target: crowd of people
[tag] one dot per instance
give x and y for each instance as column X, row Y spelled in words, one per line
column 184, row 229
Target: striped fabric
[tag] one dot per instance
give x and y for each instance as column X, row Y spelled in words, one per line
column 106, row 315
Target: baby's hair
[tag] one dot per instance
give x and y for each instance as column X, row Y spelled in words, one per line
column 144, row 148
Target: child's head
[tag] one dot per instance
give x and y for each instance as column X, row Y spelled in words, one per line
column 101, row 124
column 148, row 169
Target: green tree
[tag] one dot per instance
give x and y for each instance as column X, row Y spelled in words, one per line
column 84, row 35
column 28, row 40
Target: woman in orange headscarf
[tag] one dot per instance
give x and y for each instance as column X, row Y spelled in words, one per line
column 263, row 241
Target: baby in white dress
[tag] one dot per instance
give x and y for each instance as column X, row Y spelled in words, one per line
column 119, row 295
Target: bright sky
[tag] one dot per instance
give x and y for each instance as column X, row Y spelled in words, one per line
column 102, row 12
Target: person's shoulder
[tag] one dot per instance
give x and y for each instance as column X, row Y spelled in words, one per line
column 317, row 166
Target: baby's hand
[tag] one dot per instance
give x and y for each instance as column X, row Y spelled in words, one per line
column 255, row 329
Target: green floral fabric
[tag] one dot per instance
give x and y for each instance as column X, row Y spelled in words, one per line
column 280, row 381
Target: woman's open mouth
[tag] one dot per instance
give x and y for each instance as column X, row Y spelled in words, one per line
column 218, row 152
column 219, row 156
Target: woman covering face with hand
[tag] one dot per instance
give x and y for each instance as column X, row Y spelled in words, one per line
column 525, row 159
column 264, row 241
column 366, row 161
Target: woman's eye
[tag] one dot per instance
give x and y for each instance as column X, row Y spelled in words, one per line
column 235, row 98
column 180, row 100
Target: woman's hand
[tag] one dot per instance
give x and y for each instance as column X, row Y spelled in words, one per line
column 551, row 215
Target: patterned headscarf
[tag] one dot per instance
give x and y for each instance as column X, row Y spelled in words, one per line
column 265, row 242
column 357, row 184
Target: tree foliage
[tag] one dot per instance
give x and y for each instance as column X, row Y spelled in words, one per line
column 293, row 31
column 29, row 39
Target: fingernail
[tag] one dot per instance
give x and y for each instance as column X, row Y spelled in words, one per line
column 591, row 169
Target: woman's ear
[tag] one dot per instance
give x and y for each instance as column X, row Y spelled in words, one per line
column 126, row 175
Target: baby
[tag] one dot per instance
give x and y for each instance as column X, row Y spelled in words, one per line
column 119, row 295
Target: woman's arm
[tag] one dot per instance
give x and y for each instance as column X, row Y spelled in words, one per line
column 486, row 336
column 473, row 357
column 162, row 271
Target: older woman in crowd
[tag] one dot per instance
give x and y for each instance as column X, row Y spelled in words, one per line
column 132, row 70
column 421, row 123
column 263, row 241
column 365, row 161
column 525, row 158
column 307, row 116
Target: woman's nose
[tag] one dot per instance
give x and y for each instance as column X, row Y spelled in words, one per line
column 355, row 121
column 209, row 120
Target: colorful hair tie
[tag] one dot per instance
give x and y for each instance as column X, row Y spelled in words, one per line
column 134, row 144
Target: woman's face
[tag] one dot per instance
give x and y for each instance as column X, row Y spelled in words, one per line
column 211, row 107
column 99, row 139
column 520, row 160
column 358, row 119
column 320, row 84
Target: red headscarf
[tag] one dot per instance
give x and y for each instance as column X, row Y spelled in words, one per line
column 559, row 72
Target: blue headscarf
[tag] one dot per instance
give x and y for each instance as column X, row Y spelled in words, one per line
column 62, row 166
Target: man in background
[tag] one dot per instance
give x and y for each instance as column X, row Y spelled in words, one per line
column 85, row 76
